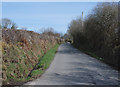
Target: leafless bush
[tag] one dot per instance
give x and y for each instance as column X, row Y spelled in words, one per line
column 100, row 32
column 7, row 23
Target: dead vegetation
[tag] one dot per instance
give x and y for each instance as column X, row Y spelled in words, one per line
column 22, row 50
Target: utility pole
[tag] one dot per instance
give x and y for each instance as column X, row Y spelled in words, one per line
column 82, row 18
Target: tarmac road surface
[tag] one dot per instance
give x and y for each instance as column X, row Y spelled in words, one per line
column 72, row 67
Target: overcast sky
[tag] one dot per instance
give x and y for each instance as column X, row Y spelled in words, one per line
column 37, row 15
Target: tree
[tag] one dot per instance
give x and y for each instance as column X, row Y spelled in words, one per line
column 7, row 23
column 49, row 31
column 76, row 31
column 101, row 32
column 14, row 26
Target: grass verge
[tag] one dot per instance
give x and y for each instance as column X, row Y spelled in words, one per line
column 95, row 56
column 89, row 53
column 44, row 63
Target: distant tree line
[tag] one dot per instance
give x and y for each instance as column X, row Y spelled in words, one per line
column 100, row 32
column 50, row 31
column 8, row 24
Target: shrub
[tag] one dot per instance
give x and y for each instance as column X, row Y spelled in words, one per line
column 100, row 33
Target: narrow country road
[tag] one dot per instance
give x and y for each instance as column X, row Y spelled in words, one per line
column 72, row 67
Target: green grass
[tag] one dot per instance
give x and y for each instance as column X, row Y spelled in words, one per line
column 89, row 53
column 93, row 55
column 20, row 67
column 45, row 62
column 36, row 72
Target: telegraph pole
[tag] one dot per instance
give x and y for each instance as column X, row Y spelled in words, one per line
column 82, row 18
